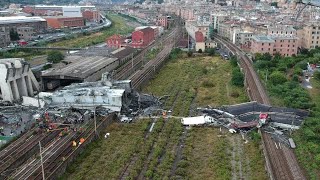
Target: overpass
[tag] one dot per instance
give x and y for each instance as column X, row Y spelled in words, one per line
column 51, row 48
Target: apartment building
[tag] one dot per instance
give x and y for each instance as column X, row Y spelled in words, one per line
column 310, row 35
column 242, row 38
column 194, row 26
column 282, row 30
column 285, row 45
column 4, row 37
column 25, row 33
column 227, row 29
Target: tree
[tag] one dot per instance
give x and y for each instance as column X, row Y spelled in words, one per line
column 200, row 51
column 14, row 36
column 55, row 56
column 210, row 51
column 237, row 77
column 190, row 53
column 277, row 78
column 316, row 75
column 275, row 4
column 211, row 31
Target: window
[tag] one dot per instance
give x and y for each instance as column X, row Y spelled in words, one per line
column 292, row 45
column 262, row 44
column 261, row 49
column 292, row 50
column 287, row 50
column 289, row 45
column 269, row 44
column 281, row 45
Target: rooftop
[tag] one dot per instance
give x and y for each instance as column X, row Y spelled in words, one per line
column 82, row 67
column 262, row 39
column 19, row 19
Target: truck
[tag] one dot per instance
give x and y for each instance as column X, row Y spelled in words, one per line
column 198, row 120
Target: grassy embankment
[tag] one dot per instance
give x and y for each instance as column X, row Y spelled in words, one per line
column 191, row 82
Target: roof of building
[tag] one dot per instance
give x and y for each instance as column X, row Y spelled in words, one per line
column 199, row 36
column 123, row 52
column 54, row 6
column 19, row 19
column 82, row 67
column 146, row 30
column 262, row 38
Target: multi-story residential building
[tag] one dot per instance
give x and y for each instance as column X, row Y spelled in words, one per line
column 57, row 22
column 216, row 18
column 26, row 33
column 193, row 26
column 282, row 30
column 262, row 44
column 39, row 24
column 4, row 37
column 142, row 37
column 243, row 39
column 228, row 29
column 285, row 45
column 162, row 21
column 52, row 10
column 310, row 35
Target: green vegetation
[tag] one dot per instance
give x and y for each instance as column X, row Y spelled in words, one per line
column 28, row 54
column 282, row 75
column 14, row 36
column 118, row 26
column 210, row 51
column 55, row 56
column 206, row 155
column 137, row 154
column 283, row 85
column 151, row 54
column 106, row 158
column 237, row 76
column 206, row 80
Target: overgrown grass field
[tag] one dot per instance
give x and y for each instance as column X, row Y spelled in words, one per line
column 132, row 152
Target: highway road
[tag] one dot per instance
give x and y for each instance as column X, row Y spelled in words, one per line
column 50, row 37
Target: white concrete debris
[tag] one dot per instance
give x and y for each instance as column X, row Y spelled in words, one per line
column 16, row 79
column 89, row 95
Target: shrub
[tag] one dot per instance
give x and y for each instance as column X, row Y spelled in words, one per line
column 55, row 56
column 200, row 51
column 277, row 78
column 237, row 78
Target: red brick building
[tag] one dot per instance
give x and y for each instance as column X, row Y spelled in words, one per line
column 142, row 38
column 114, row 41
column 62, row 22
column 91, row 15
column 162, row 21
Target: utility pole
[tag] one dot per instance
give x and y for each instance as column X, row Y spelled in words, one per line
column 95, row 120
column 43, row 177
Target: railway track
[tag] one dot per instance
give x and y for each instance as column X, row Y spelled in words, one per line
column 58, row 153
column 135, row 63
column 22, row 150
column 281, row 162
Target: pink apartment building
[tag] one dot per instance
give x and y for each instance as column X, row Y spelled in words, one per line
column 285, row 45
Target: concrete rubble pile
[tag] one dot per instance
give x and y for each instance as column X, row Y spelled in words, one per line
column 245, row 117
